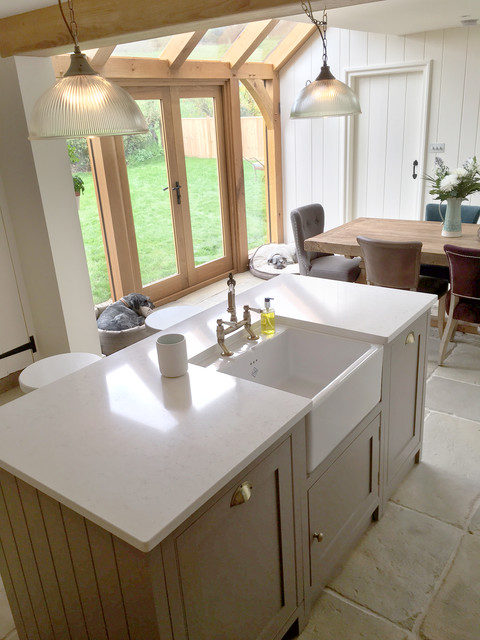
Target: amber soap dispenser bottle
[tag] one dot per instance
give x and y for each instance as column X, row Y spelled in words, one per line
column 268, row 318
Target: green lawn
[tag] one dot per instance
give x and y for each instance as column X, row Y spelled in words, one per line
column 153, row 226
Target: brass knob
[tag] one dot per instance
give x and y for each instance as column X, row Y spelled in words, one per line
column 242, row 494
column 410, row 339
column 318, row 536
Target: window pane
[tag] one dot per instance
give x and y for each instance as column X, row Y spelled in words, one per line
column 200, row 146
column 89, row 220
column 215, row 42
column 143, row 49
column 275, row 37
column 253, row 149
column 150, row 195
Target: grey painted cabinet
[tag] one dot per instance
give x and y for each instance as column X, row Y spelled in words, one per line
column 232, row 569
column 229, row 571
column 341, row 502
column 247, row 564
column 403, row 394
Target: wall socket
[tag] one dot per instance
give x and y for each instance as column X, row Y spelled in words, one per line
column 436, row 147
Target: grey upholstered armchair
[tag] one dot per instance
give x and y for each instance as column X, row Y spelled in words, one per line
column 308, row 221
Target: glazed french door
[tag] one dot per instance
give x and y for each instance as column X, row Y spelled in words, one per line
column 182, row 226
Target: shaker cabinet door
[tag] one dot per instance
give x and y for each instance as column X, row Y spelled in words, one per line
column 341, row 503
column 235, row 564
column 405, row 390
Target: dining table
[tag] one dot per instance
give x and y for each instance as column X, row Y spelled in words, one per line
column 343, row 239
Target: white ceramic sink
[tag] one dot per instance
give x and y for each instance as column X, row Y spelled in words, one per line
column 342, row 376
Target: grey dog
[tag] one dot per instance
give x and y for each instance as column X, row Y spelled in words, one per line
column 128, row 312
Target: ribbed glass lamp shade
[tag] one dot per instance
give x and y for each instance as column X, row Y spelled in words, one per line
column 84, row 104
column 325, row 97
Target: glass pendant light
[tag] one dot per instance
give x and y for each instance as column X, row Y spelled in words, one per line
column 82, row 103
column 325, row 96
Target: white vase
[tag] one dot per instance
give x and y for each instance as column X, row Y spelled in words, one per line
column 452, row 225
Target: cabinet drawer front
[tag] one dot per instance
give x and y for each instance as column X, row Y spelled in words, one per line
column 339, row 498
column 236, row 563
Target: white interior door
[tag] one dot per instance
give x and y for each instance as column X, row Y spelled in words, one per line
column 386, row 143
column 13, row 330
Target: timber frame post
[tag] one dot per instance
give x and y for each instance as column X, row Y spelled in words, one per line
column 266, row 94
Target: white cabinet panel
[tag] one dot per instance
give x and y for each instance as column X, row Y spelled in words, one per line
column 13, row 331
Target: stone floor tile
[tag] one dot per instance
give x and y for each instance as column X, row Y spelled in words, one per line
column 461, row 337
column 446, row 483
column 431, row 367
column 450, row 396
column 395, row 566
column 439, row 494
column 450, row 443
column 334, row 619
column 474, row 525
column 463, row 364
column 433, row 349
column 455, row 611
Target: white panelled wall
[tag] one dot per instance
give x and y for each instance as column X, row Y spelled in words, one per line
column 315, row 151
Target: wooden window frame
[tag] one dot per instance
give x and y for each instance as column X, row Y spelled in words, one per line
column 262, row 82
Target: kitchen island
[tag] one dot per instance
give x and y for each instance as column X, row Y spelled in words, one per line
column 117, row 513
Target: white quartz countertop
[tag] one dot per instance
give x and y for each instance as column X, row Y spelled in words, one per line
column 137, row 453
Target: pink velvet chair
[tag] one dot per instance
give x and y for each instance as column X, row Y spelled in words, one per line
column 463, row 299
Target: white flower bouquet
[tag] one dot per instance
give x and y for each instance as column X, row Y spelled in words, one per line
column 459, row 183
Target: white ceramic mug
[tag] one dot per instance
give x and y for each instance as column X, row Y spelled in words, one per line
column 172, row 354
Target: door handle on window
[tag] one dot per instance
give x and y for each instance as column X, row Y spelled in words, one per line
column 176, row 188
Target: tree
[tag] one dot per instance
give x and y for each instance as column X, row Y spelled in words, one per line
column 248, row 106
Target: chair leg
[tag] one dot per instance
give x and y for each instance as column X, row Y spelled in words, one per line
column 449, row 330
column 441, row 315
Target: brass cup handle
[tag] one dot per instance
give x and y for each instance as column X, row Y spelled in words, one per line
column 318, row 537
column 410, row 339
column 242, row 494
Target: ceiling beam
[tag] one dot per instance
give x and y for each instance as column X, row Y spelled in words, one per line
column 246, row 43
column 101, row 57
column 180, row 47
column 152, row 70
column 42, row 32
column 289, row 46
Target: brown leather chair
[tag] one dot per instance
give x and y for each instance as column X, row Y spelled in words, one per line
column 397, row 265
column 308, row 221
column 463, row 299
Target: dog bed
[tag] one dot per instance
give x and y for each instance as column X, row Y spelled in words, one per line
column 112, row 341
column 266, row 260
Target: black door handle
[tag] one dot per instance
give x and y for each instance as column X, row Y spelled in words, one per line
column 176, row 188
column 415, row 165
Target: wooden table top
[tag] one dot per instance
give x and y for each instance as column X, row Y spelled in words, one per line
column 343, row 239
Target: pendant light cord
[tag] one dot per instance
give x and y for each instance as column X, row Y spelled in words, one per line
column 72, row 26
column 321, row 26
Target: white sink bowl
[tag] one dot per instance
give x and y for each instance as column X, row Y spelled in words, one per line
column 342, row 376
